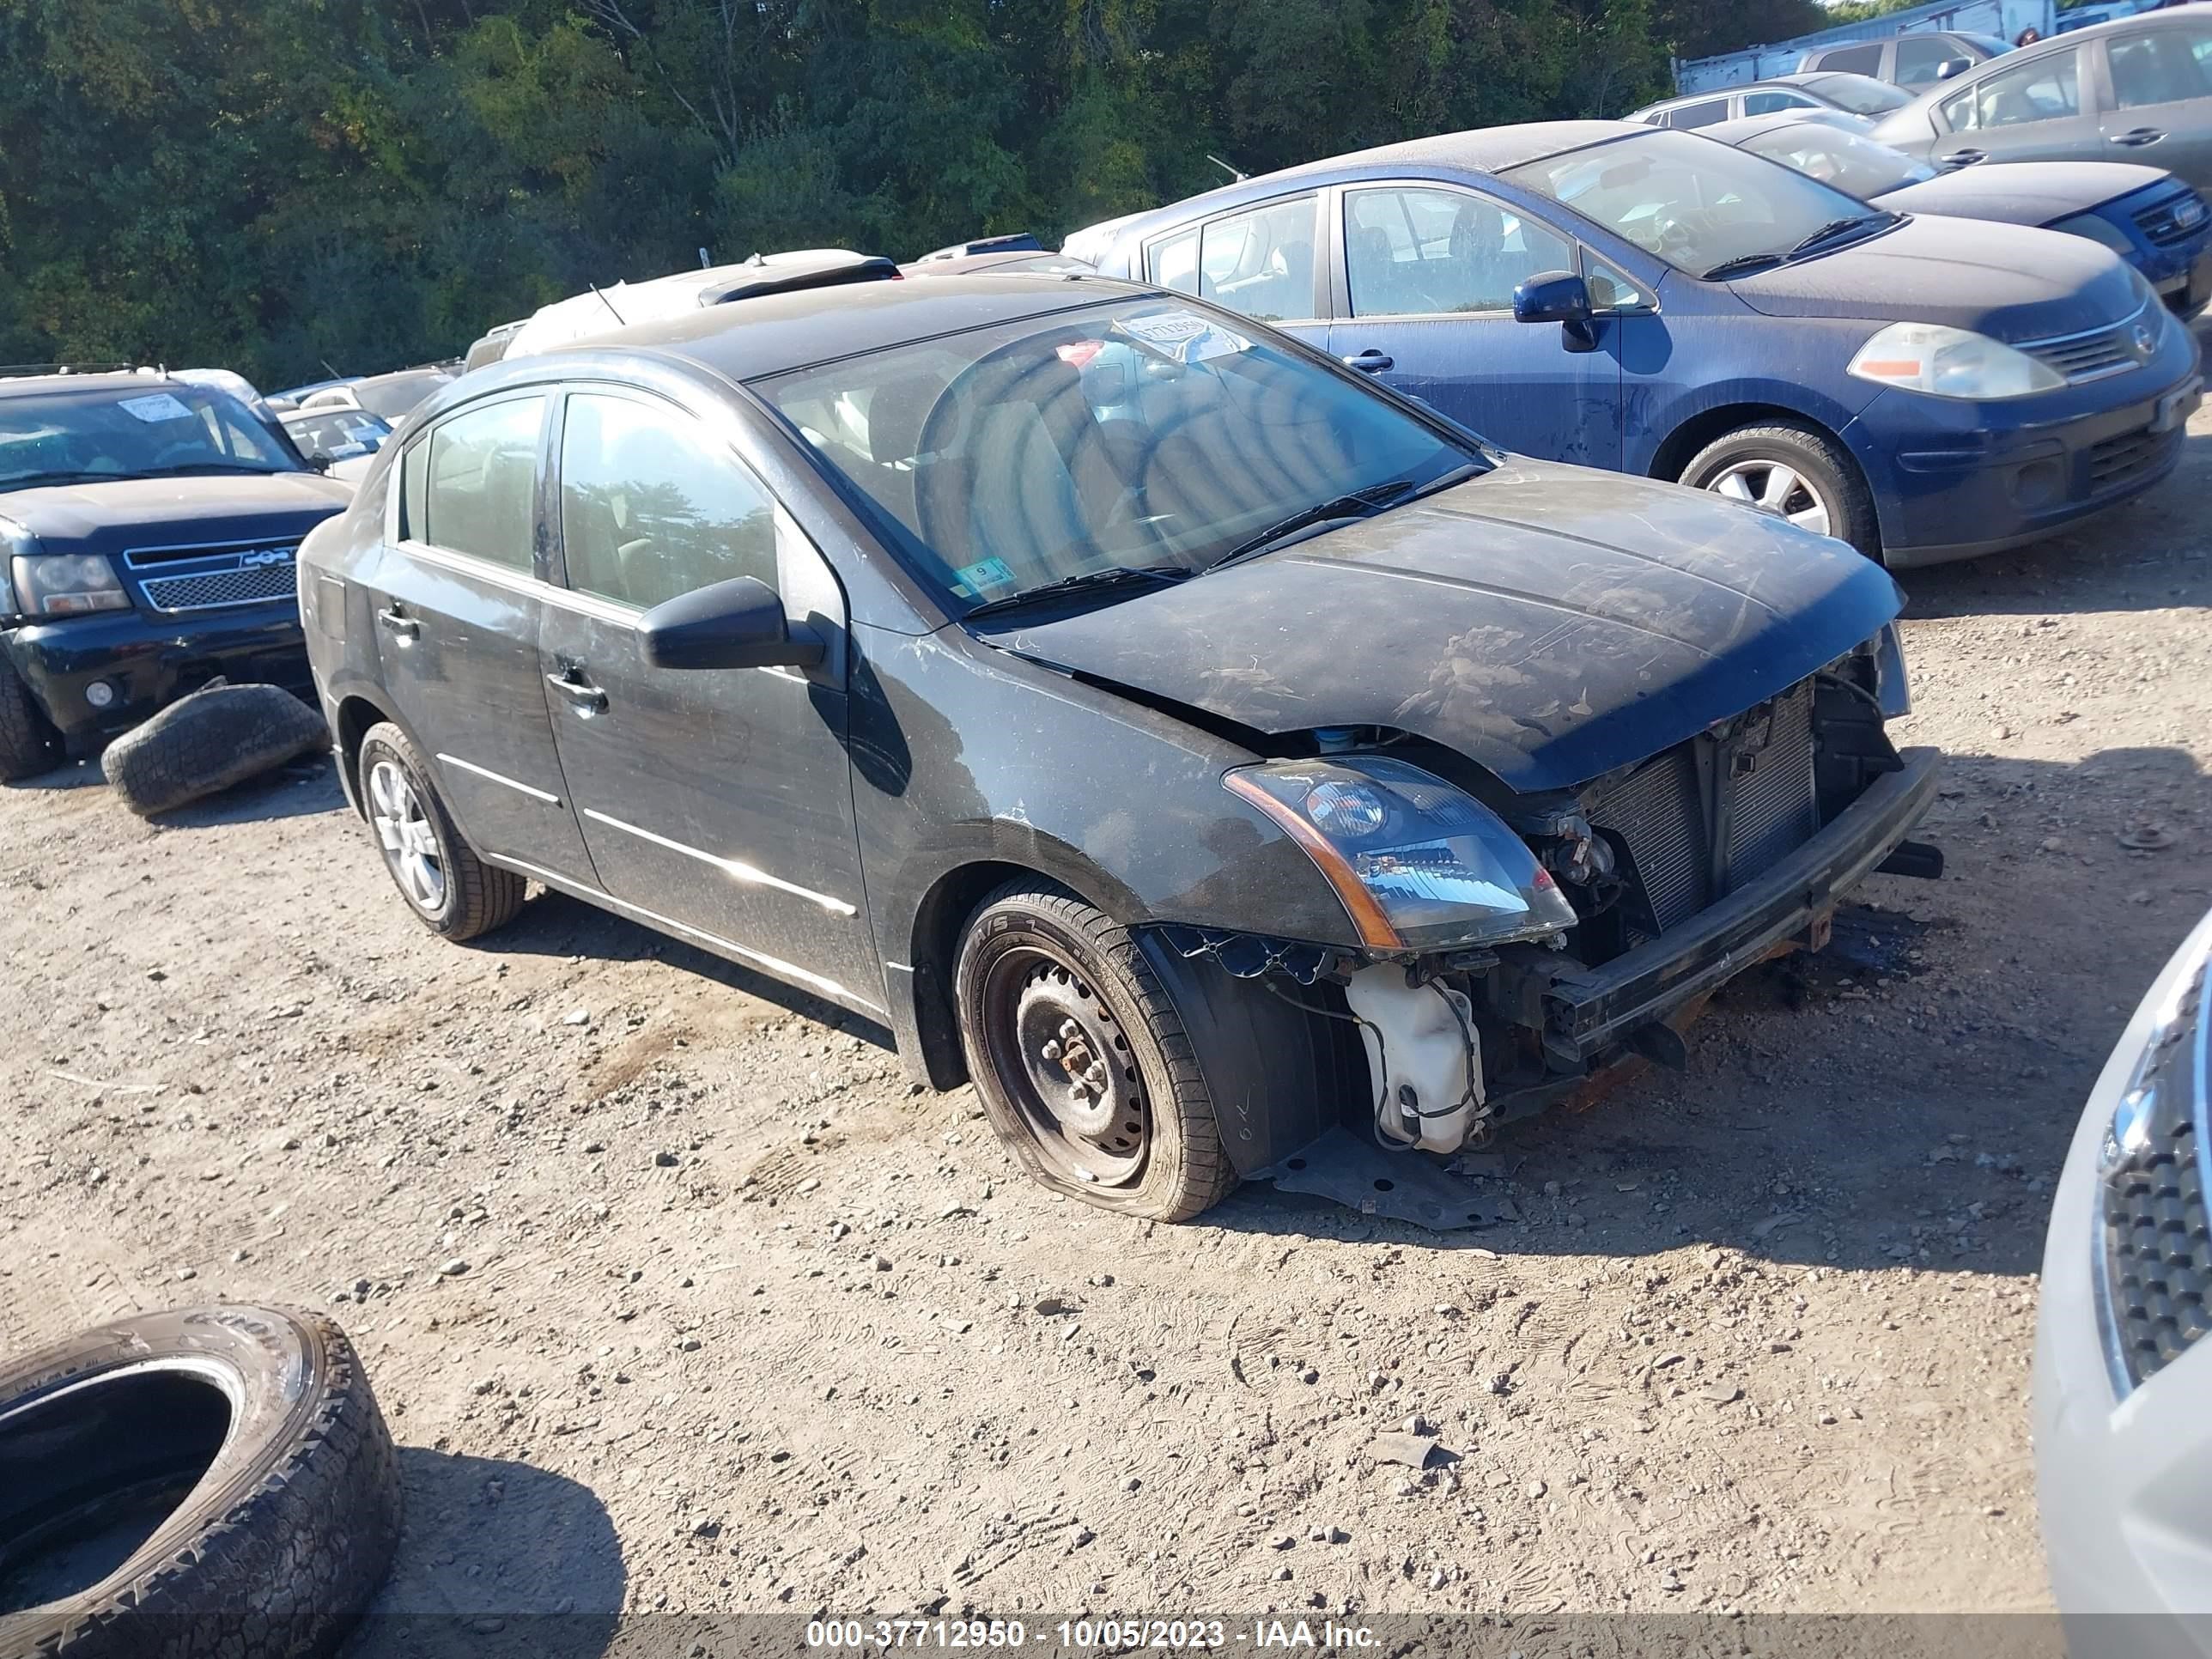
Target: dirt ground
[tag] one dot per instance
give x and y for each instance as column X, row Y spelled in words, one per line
column 678, row 1297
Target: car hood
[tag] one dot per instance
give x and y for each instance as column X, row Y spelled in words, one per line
column 2020, row 192
column 2010, row 281
column 1548, row 622
column 137, row 513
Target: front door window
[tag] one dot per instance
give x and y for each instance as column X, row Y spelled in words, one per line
column 1416, row 251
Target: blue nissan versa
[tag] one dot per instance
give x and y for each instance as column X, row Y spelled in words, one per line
column 1649, row 300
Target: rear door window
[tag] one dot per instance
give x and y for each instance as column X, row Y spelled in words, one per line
column 1853, row 60
column 1705, row 114
column 651, row 507
column 2047, row 89
column 1769, row 99
column 471, row 485
column 1260, row 262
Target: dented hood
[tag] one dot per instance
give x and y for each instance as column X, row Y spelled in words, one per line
column 1549, row 622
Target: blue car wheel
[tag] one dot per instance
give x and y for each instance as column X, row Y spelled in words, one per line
column 1792, row 473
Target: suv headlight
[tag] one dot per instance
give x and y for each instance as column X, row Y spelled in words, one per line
column 1951, row 362
column 66, row 584
column 2097, row 228
column 1417, row 863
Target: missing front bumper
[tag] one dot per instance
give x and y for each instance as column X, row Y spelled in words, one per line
column 1589, row 1014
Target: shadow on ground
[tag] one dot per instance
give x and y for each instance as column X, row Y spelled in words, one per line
column 496, row 1559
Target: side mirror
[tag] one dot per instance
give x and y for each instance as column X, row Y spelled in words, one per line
column 319, row 460
column 1552, row 296
column 1561, row 297
column 739, row 624
column 1951, row 66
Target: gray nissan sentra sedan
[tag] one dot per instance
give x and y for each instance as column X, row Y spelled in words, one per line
column 1140, row 715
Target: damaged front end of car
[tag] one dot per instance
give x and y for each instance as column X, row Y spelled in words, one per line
column 1512, row 945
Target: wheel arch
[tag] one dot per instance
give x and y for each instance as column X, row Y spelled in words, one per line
column 1694, row 432
column 355, row 713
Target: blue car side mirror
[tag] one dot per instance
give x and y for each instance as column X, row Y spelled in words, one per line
column 1561, row 297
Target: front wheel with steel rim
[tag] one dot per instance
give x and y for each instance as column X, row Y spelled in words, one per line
column 455, row 892
column 1081, row 1060
column 1793, row 473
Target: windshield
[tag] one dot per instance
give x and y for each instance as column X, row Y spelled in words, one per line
column 1699, row 206
column 393, row 395
column 1853, row 164
column 337, row 433
column 1862, row 94
column 1148, row 434
column 86, row 433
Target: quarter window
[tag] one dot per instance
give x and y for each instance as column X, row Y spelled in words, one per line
column 651, row 508
column 469, row 486
column 1174, row 261
column 1412, row 252
column 2047, row 89
column 2163, row 67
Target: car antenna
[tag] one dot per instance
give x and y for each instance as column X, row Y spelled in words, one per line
column 1235, row 176
column 325, row 362
column 608, row 303
column 704, row 262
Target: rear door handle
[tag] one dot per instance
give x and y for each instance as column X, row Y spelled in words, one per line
column 583, row 696
column 2138, row 136
column 1964, row 158
column 1371, row 361
column 398, row 623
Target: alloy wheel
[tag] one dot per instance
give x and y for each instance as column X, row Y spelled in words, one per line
column 1774, row 487
column 404, row 832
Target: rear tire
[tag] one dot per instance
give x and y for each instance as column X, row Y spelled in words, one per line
column 454, row 893
column 28, row 742
column 1794, row 473
column 1081, row 1058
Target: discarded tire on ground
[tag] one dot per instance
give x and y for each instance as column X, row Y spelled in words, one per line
column 204, row 744
column 215, row 1480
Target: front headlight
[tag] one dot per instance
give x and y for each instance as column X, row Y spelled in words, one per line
column 66, row 584
column 1417, row 863
column 2097, row 228
column 1951, row 362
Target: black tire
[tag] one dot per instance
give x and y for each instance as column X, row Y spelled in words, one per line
column 1824, row 465
column 218, row 737
column 260, row 1420
column 1035, row 957
column 472, row 896
column 28, row 742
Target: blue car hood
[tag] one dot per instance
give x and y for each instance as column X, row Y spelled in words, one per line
column 2009, row 282
column 1549, row 622
column 2021, row 192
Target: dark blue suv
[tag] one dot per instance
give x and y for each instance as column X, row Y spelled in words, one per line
column 1654, row 302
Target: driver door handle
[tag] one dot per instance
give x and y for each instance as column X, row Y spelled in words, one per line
column 584, row 698
column 2137, row 137
column 1371, row 361
column 401, row 626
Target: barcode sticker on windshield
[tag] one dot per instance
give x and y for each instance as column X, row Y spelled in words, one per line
column 1184, row 336
column 161, row 406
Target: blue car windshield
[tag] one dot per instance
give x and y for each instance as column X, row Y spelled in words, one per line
column 1150, row 434
column 1697, row 205
column 1851, row 163
column 158, row 428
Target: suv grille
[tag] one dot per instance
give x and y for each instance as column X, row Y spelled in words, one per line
column 2176, row 219
column 2158, row 1252
column 211, row 578
column 1763, row 773
column 2095, row 354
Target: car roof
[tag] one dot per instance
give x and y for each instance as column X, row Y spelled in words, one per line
column 18, row 385
column 1484, row 150
column 772, row 333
